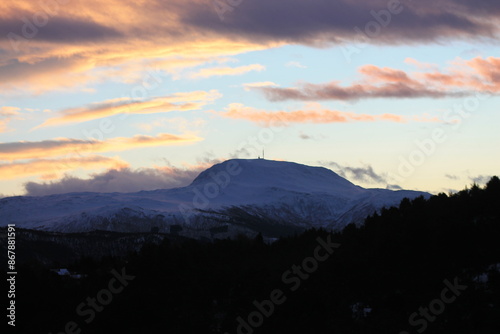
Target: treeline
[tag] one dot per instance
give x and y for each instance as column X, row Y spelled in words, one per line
column 381, row 279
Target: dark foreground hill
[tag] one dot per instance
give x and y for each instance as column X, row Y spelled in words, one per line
column 429, row 265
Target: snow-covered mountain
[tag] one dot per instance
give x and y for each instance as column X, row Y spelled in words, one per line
column 236, row 196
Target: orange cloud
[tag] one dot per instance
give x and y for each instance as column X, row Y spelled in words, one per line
column 477, row 74
column 489, row 71
column 6, row 115
column 80, row 45
column 463, row 78
column 421, row 65
column 313, row 114
column 176, row 102
column 65, row 146
column 58, row 69
column 220, row 71
column 386, row 74
column 251, row 85
column 51, row 168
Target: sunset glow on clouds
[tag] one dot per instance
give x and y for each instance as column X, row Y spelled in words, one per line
column 6, row 114
column 476, row 75
column 54, row 167
column 313, row 114
column 177, row 102
column 118, row 88
column 62, row 146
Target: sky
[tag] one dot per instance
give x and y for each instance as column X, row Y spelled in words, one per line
column 122, row 95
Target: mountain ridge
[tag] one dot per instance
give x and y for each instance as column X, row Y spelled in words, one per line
column 278, row 193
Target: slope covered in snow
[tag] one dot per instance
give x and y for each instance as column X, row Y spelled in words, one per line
column 236, row 196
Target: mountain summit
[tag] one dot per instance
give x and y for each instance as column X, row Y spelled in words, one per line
column 279, row 174
column 235, row 196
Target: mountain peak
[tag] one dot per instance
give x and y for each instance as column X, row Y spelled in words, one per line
column 278, row 174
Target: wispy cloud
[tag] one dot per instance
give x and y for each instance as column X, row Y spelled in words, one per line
column 222, row 71
column 421, row 65
column 66, row 146
column 304, row 136
column 463, row 78
column 6, row 115
column 295, row 64
column 177, row 102
column 364, row 174
column 313, row 113
column 52, row 168
column 250, row 85
column 393, row 187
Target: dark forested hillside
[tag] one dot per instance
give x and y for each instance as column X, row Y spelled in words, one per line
column 427, row 266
